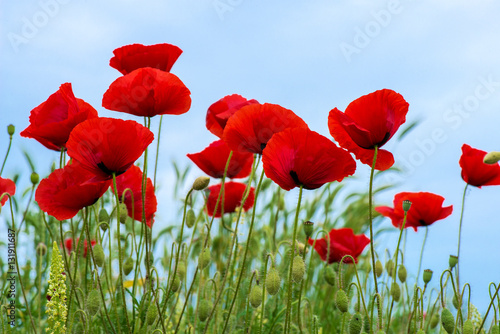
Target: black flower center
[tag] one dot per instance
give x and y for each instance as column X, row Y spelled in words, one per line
column 295, row 178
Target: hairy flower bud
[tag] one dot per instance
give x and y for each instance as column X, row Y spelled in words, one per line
column 201, row 182
column 448, row 321
column 204, row 308
column 434, row 320
column 93, row 302
column 395, row 291
column 355, row 323
column 495, row 329
column 402, row 273
column 98, row 255
column 379, row 268
column 329, row 275
column 204, row 259
column 190, row 218
column 389, row 266
column 123, row 213
column 176, row 284
column 181, row 269
column 103, row 218
column 341, row 300
column 128, row 265
column 298, row 269
column 273, row 281
column 41, row 249
column 468, row 327
column 255, row 296
column 152, row 314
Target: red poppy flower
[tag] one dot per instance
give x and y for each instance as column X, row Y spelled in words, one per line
column 107, row 145
column 367, row 122
column 53, row 120
column 132, row 179
column 233, row 194
column 219, row 112
column 474, row 171
column 148, row 92
column 6, row 186
column 212, row 160
column 66, row 191
column 342, row 242
column 131, row 57
column 68, row 244
column 299, row 156
column 426, row 208
column 251, row 127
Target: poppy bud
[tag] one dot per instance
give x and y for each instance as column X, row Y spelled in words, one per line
column 176, row 283
column 204, row 258
column 491, row 158
column 103, row 217
column 181, row 268
column 420, row 331
column 255, row 297
column 35, row 178
column 366, row 324
column 427, row 275
column 93, row 302
column 308, row 227
column 41, row 249
column 300, row 247
column 395, row 291
column 298, row 269
column 406, row 205
column 123, row 213
column 402, row 273
column 98, row 255
column 128, row 265
column 454, row 301
column 273, row 281
column 495, row 329
column 201, row 183
column 379, row 268
column 381, row 331
column 355, row 323
column 190, row 218
column 434, row 320
column 329, row 275
column 468, row 327
column 152, row 314
column 448, row 321
column 204, row 309
column 11, row 129
column 453, row 261
column 341, row 300
column 389, row 266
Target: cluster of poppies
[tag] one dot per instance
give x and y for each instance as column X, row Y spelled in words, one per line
column 102, row 149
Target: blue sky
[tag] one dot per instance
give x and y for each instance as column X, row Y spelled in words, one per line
column 308, row 56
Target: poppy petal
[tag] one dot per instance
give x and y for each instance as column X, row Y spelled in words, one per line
column 342, row 242
column 233, row 195
column 6, row 186
column 474, row 171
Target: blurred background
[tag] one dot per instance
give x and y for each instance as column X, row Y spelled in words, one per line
column 308, row 56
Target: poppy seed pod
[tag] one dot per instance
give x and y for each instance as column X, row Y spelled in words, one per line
column 298, row 269
column 34, row 178
column 406, row 205
column 190, row 218
column 93, row 303
column 468, row 327
column 395, row 291
column 98, row 255
column 255, row 296
column 201, row 183
column 152, row 314
column 329, row 275
column 204, row 258
column 341, row 300
column 491, row 158
column 355, row 323
column 273, row 281
column 453, row 261
column 11, row 129
column 128, row 265
column 427, row 276
column 379, row 268
column 308, row 227
column 448, row 321
column 402, row 273
column 204, row 309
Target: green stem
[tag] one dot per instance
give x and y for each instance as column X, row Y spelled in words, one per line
column 299, row 320
column 157, row 149
column 459, row 240
column 422, row 253
column 290, row 283
column 488, row 310
column 6, row 155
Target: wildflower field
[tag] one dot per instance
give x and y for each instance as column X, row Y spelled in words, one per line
column 85, row 254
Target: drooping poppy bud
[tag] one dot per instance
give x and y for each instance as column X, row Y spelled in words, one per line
column 128, row 265
column 341, row 300
column 152, row 314
column 379, row 268
column 93, row 302
column 395, row 291
column 298, row 269
column 204, row 258
column 273, row 281
column 402, row 274
column 255, row 296
column 329, row 275
column 204, row 309
column 98, row 255
column 201, row 183
column 355, row 323
column 448, row 321
column 468, row 327
column 190, row 218
column 176, row 284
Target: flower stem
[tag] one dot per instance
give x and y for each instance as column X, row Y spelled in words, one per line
column 6, row 154
column 422, row 253
column 290, row 283
column 459, row 240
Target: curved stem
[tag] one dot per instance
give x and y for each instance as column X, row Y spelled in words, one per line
column 6, row 155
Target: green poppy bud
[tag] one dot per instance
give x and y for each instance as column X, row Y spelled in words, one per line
column 11, row 129
column 123, row 213
column 103, row 218
column 406, row 205
column 341, row 300
column 128, row 265
column 448, row 321
column 181, row 268
column 41, row 249
column 491, row 158
column 298, row 269
column 273, row 281
column 420, row 331
column 255, row 296
column 152, row 314
column 190, row 218
column 329, row 275
column 395, row 291
column 93, row 303
column 379, row 268
column 453, row 261
column 204, row 309
column 201, row 183
column 427, row 275
column 402, row 273
column 308, row 227
column 366, row 324
column 434, row 320
column 98, row 255
column 176, row 284
column 454, row 301
column 204, row 259
column 495, row 329
column 468, row 327
column 355, row 323
column 35, row 178
column 389, row 266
